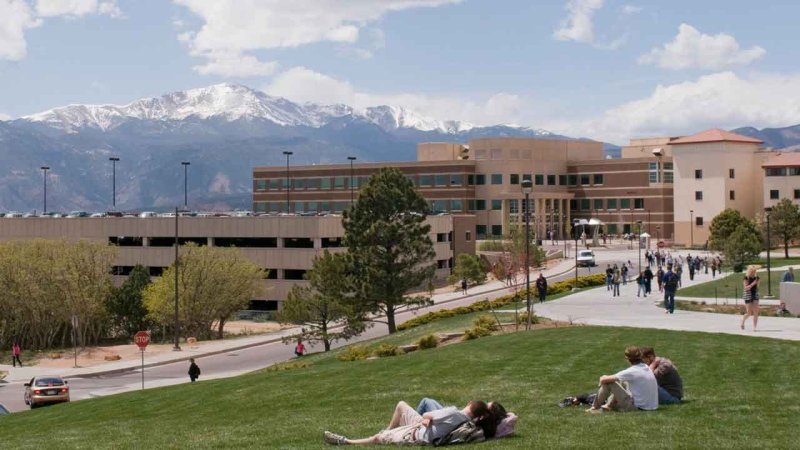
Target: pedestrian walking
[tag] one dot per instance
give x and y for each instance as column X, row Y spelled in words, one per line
column 616, row 279
column 648, row 280
column 609, row 277
column 464, row 286
column 679, row 273
column 691, row 269
column 641, row 285
column 15, row 352
column 705, row 265
column 299, row 349
column 750, row 290
column 659, row 277
column 670, row 281
column 541, row 287
column 713, row 268
column 624, row 274
column 194, row 370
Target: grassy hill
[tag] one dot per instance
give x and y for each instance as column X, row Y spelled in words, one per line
column 741, row 393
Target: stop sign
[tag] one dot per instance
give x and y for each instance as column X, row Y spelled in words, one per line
column 141, row 339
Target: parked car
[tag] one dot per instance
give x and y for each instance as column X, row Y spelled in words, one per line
column 586, row 258
column 4, row 411
column 145, row 214
column 43, row 390
column 98, row 214
column 12, row 214
column 74, row 214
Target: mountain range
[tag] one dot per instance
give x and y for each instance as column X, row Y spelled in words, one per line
column 223, row 131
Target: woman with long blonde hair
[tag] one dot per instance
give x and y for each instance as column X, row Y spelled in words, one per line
column 750, row 291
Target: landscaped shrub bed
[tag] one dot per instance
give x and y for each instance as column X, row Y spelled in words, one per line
column 486, row 305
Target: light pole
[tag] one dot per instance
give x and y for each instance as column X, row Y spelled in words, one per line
column 639, row 239
column 352, row 196
column 44, row 170
column 527, row 187
column 177, row 346
column 575, row 223
column 113, row 160
column 288, row 182
column 630, row 241
column 768, row 209
column 185, row 184
column 691, row 228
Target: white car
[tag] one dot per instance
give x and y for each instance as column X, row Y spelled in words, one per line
column 146, row 214
column 586, row 258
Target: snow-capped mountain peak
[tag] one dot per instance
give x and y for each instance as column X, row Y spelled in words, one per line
column 233, row 102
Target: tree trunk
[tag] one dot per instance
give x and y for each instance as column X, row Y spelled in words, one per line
column 220, row 331
column 390, row 320
column 786, row 249
column 327, row 344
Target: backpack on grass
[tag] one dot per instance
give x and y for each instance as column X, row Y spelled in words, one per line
column 463, row 434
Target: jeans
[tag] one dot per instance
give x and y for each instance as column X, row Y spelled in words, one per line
column 669, row 300
column 15, row 359
column 665, row 398
column 542, row 295
column 427, row 405
column 642, row 290
column 616, row 290
column 648, row 286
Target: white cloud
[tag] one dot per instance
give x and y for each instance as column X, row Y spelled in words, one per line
column 720, row 100
column 693, row 49
column 631, row 9
column 301, row 84
column 4, row 116
column 577, row 26
column 240, row 26
column 76, row 8
column 15, row 17
column 236, row 65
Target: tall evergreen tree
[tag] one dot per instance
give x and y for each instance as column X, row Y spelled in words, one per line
column 126, row 303
column 388, row 244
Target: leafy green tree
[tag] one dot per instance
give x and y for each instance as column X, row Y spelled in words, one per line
column 742, row 245
column 213, row 284
column 468, row 267
column 516, row 247
column 389, row 246
column 784, row 223
column 325, row 303
column 126, row 303
column 723, row 226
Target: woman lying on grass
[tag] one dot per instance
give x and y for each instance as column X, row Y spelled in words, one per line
column 409, row 427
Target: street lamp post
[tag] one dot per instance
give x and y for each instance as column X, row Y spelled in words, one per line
column 630, row 241
column 639, row 239
column 691, row 228
column 575, row 223
column 352, row 195
column 185, row 184
column 44, row 170
column 113, row 160
column 288, row 182
column 527, row 187
column 769, row 266
column 177, row 346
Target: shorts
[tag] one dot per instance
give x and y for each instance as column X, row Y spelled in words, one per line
column 408, row 432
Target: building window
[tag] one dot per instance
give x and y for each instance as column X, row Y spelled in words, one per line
column 562, row 180
column 456, row 205
column 638, row 203
column 625, row 203
column 612, row 203
column 668, row 172
column 438, row 206
column 698, row 174
column 572, row 180
column 468, row 236
column 611, row 228
column 442, row 180
column 698, row 195
column 794, row 171
column 776, row 171
column 585, row 180
column 514, row 178
column 653, row 172
column 497, row 205
column 456, row 180
column 261, row 185
column 274, row 184
column 585, row 204
column 441, row 237
column 480, row 231
column 797, row 194
column 551, row 180
column 774, row 194
column 480, row 179
column 526, row 176
column 732, row 194
column 338, row 183
column 470, row 180
column 598, row 203
column 698, row 221
column 480, row 205
column 497, row 230
column 573, row 204
column 513, row 206
column 539, row 179
column 425, row 180
column 497, row 178
column 598, row 178
column 731, row 173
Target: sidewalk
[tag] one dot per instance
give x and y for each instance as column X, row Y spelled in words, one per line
column 598, row 307
column 444, row 295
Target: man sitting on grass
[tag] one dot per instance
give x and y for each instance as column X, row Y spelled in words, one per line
column 632, row 389
column 670, row 383
column 410, row 428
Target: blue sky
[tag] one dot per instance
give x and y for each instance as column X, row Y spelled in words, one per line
column 604, row 69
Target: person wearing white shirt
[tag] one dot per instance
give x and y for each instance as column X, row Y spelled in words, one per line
column 632, row 389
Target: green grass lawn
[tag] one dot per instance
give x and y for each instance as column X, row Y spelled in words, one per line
column 730, row 286
column 741, row 392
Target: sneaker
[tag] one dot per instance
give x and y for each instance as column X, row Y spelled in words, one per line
column 595, row 410
column 334, row 439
